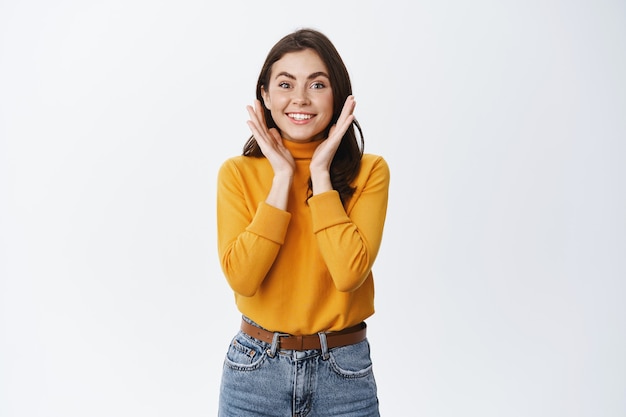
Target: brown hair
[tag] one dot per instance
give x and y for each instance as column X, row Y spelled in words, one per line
column 347, row 159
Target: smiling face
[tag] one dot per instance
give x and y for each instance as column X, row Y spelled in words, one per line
column 299, row 96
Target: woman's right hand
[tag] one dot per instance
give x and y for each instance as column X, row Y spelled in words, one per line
column 270, row 142
column 279, row 157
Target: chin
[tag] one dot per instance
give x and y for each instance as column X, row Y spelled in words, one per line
column 304, row 138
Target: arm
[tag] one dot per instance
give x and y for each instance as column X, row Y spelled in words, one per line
column 349, row 243
column 249, row 238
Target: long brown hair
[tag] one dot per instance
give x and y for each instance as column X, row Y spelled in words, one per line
column 347, row 160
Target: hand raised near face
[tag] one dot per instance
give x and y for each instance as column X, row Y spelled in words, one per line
column 325, row 152
column 270, row 142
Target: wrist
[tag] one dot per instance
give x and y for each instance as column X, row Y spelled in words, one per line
column 282, row 179
column 321, row 182
column 279, row 193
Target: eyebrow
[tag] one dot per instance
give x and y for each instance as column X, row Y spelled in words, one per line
column 310, row 77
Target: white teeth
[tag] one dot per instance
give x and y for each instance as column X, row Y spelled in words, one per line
column 300, row 116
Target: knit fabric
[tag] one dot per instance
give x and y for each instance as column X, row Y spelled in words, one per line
column 309, row 268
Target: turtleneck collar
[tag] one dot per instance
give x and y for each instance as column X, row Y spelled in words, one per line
column 301, row 150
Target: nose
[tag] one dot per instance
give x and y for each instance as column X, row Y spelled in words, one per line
column 300, row 97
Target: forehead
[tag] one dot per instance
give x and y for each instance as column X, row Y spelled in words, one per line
column 300, row 63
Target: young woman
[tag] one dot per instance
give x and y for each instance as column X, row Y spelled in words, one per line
column 300, row 222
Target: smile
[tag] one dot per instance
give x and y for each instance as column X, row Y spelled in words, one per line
column 299, row 116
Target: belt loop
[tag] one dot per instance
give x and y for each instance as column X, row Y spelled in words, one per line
column 324, row 345
column 271, row 352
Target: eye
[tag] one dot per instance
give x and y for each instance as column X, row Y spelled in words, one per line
column 284, row 84
column 318, row 85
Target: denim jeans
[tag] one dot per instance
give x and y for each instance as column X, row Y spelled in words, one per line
column 260, row 380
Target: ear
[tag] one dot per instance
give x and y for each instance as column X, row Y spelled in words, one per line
column 266, row 98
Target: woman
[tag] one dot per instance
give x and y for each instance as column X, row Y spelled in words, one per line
column 300, row 222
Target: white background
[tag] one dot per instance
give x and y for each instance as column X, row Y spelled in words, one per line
column 501, row 280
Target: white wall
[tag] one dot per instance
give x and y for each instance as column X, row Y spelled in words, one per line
column 501, row 280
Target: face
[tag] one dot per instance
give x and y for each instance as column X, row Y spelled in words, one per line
column 299, row 96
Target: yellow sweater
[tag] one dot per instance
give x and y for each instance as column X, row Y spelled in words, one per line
column 307, row 269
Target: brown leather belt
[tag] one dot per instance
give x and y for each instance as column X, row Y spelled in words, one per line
column 349, row 336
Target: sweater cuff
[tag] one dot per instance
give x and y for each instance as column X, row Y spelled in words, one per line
column 327, row 210
column 270, row 222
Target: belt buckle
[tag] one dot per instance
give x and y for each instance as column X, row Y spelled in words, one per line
column 281, row 336
column 271, row 352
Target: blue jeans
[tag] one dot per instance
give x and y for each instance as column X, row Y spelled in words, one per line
column 260, row 380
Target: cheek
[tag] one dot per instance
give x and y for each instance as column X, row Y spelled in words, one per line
column 327, row 105
column 329, row 110
column 273, row 106
column 278, row 103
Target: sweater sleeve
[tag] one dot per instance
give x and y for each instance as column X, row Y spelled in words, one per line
column 249, row 238
column 350, row 242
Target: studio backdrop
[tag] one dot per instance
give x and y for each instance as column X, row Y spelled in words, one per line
column 501, row 277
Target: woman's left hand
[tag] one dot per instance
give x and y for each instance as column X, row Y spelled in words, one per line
column 325, row 152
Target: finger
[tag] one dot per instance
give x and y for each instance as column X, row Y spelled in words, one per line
column 259, row 110
column 253, row 124
column 254, row 116
column 275, row 135
column 346, row 115
column 257, row 126
column 256, row 133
